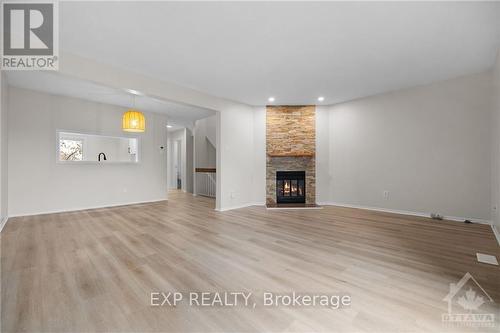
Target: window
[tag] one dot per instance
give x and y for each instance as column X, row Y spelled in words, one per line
column 70, row 149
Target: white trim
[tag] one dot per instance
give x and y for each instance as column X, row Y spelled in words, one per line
column 89, row 208
column 405, row 212
column 240, row 206
column 3, row 222
column 496, row 233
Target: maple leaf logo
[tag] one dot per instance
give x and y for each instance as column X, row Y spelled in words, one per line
column 470, row 301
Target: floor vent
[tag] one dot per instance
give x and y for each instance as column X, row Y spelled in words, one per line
column 487, row 259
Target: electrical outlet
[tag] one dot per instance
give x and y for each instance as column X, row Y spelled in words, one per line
column 386, row 195
column 495, row 208
column 232, row 195
column 436, row 216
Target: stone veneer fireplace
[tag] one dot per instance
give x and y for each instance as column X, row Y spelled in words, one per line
column 291, row 148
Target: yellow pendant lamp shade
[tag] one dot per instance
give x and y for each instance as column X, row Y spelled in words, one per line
column 133, row 121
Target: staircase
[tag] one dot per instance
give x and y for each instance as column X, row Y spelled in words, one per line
column 206, row 184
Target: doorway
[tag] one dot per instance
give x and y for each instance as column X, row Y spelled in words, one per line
column 178, row 163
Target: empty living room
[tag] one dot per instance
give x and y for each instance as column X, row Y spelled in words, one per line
column 249, row 166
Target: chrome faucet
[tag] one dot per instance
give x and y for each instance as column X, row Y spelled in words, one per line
column 99, row 157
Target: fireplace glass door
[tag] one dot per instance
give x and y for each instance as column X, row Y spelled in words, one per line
column 290, row 187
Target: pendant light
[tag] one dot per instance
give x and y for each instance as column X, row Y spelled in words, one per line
column 133, row 120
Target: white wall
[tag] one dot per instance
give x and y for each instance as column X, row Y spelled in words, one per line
column 495, row 147
column 428, row 146
column 3, row 150
column 205, row 131
column 235, row 154
column 204, row 148
column 322, row 154
column 259, row 151
column 37, row 184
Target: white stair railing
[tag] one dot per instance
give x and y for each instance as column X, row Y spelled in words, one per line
column 206, row 184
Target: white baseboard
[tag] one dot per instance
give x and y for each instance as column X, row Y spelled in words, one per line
column 405, row 212
column 68, row 210
column 3, row 222
column 496, row 232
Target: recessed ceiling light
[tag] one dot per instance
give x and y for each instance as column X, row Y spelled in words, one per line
column 169, row 126
column 270, row 99
column 321, row 99
column 133, row 92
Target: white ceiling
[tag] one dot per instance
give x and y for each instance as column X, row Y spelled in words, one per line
column 295, row 51
column 50, row 82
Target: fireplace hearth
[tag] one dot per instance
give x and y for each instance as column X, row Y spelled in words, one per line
column 290, row 187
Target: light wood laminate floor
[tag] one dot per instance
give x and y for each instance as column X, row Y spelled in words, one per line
column 94, row 270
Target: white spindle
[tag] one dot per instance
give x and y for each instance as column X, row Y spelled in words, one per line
column 206, row 184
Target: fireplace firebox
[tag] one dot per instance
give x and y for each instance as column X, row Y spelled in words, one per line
column 290, row 187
